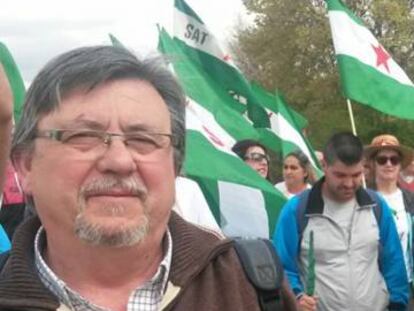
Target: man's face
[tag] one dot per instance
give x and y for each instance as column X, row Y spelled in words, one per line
column 108, row 194
column 342, row 181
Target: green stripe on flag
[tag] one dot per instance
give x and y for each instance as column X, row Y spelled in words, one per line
column 337, row 5
column 185, row 8
column 236, row 211
column 202, row 47
column 364, row 84
column 368, row 73
column 115, row 42
column 15, row 80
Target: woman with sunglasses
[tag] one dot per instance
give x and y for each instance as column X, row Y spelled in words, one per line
column 387, row 158
column 298, row 174
column 254, row 154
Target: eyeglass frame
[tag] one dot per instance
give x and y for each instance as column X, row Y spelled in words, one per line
column 247, row 157
column 393, row 160
column 105, row 137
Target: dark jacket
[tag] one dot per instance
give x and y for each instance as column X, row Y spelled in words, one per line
column 205, row 274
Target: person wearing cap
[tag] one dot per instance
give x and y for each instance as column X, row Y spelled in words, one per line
column 388, row 157
column 254, row 154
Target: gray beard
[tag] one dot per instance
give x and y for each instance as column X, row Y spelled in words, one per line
column 96, row 235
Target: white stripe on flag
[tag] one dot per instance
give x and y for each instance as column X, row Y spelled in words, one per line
column 196, row 35
column 243, row 211
column 282, row 128
column 200, row 119
column 357, row 41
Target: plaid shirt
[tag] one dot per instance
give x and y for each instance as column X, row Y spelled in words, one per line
column 145, row 298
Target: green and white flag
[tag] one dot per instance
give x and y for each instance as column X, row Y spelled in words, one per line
column 201, row 46
column 284, row 127
column 115, row 42
column 243, row 202
column 368, row 73
column 15, row 80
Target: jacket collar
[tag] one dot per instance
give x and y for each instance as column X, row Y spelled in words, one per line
column 21, row 287
column 315, row 203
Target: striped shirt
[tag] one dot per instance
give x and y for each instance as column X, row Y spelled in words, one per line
column 147, row 297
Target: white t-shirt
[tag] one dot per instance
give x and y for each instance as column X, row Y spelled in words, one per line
column 402, row 221
column 281, row 186
column 191, row 204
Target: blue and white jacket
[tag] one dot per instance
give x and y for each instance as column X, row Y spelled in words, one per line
column 365, row 271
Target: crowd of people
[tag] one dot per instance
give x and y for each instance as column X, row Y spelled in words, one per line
column 108, row 222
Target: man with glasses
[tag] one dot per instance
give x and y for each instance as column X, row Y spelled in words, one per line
column 359, row 263
column 98, row 148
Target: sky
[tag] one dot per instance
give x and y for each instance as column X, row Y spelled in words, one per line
column 36, row 31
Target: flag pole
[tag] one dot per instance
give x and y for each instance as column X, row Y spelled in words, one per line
column 351, row 117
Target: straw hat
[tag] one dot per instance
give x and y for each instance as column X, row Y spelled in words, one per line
column 389, row 142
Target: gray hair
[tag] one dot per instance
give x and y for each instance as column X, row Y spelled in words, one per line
column 86, row 68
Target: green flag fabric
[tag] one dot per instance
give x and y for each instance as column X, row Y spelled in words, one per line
column 244, row 203
column 284, row 127
column 368, row 73
column 202, row 47
column 115, row 41
column 15, row 80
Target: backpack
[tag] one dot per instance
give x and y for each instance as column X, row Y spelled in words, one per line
column 302, row 219
column 263, row 269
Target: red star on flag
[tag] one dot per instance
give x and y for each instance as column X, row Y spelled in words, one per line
column 382, row 56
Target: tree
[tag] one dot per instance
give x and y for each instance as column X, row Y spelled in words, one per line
column 289, row 48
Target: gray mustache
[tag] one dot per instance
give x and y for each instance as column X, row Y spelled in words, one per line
column 104, row 185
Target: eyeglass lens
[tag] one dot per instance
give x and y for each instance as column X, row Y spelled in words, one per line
column 257, row 157
column 382, row 160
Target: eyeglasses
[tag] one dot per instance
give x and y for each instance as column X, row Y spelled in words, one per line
column 382, row 160
column 256, row 157
column 140, row 143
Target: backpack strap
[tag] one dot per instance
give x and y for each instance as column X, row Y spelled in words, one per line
column 263, row 269
column 301, row 218
column 377, row 208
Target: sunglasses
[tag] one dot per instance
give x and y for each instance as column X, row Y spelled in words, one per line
column 382, row 160
column 256, row 157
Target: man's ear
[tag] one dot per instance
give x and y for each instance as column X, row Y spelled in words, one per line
column 22, row 163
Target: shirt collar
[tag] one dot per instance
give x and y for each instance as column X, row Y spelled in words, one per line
column 68, row 296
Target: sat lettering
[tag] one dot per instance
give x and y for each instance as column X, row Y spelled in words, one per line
column 195, row 34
